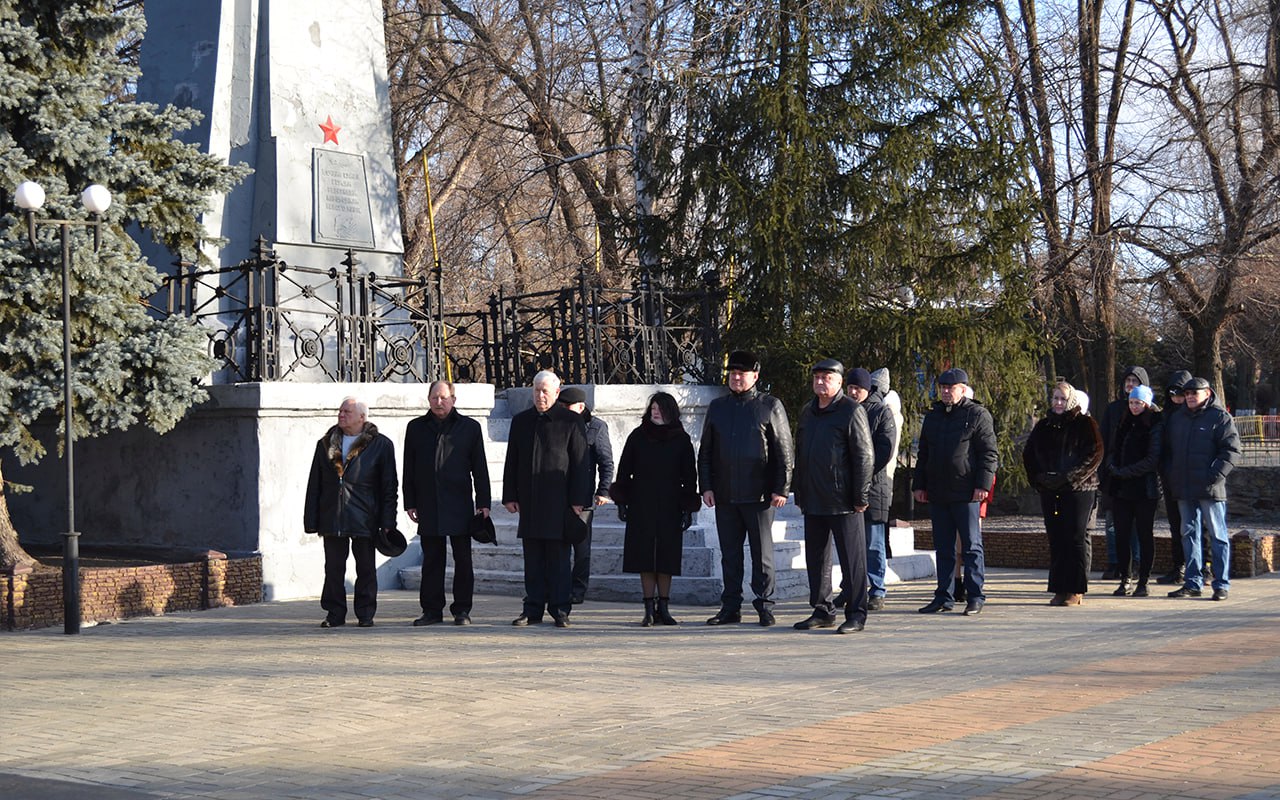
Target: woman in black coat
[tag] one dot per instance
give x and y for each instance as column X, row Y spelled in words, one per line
column 1062, row 456
column 656, row 489
column 1133, row 461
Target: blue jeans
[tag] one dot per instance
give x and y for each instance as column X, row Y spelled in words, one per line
column 1211, row 515
column 877, row 564
column 952, row 520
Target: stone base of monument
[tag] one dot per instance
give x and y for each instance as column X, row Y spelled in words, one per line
column 500, row 568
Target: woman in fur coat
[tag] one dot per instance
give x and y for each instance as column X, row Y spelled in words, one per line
column 1062, row 456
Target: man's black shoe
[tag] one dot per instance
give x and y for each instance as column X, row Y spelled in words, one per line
column 427, row 619
column 333, row 623
column 365, row 623
column 815, row 620
column 1172, row 576
column 523, row 620
column 1219, row 594
column 851, row 626
column 562, row 621
column 973, row 608
column 766, row 618
column 725, row 618
column 935, row 606
column 875, row 603
column 461, row 619
column 1185, row 592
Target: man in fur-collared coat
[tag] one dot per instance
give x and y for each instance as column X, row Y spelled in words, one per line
column 351, row 494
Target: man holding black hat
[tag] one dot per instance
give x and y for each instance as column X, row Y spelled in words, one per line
column 545, row 481
column 443, row 460
column 351, row 495
column 834, row 466
column 1204, row 447
column 599, row 460
column 744, row 469
column 955, row 468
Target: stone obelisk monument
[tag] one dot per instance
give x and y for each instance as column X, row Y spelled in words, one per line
column 298, row 90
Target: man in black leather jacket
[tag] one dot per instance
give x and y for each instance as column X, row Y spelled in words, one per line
column 351, row 494
column 955, row 469
column 834, row 466
column 744, row 469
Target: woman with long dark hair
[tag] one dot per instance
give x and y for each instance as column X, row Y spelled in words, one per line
column 1062, row 456
column 656, row 489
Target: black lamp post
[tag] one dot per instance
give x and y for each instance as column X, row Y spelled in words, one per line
column 96, row 199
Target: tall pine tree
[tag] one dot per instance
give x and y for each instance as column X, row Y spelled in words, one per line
column 64, row 125
column 850, row 168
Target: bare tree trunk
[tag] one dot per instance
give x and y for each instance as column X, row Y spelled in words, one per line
column 12, row 554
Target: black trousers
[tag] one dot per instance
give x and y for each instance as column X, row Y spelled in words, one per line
column 582, row 560
column 1066, row 520
column 431, row 593
column 1174, row 514
column 1134, row 518
column 548, row 577
column 850, row 534
column 333, row 598
column 751, row 523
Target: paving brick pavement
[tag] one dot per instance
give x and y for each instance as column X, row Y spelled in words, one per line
column 1122, row 698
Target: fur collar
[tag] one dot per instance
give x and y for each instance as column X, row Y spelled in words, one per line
column 334, row 436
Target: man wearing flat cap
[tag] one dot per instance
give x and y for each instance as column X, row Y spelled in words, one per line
column 834, row 466
column 599, row 462
column 955, row 469
column 744, row 469
column 1203, row 448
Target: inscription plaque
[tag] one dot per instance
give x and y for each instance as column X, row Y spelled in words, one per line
column 341, row 199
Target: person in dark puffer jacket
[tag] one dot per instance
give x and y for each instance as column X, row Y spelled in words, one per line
column 1132, row 467
column 1061, row 457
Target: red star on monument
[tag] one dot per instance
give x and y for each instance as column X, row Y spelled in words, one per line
column 330, row 130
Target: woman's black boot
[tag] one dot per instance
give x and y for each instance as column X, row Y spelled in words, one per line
column 664, row 612
column 647, row 622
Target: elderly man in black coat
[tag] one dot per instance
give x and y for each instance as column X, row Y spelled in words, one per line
column 443, row 460
column 955, row 469
column 834, row 465
column 351, row 495
column 546, row 478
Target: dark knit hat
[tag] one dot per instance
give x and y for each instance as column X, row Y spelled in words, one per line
column 859, row 377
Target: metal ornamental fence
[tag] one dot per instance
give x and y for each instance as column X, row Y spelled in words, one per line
column 268, row 320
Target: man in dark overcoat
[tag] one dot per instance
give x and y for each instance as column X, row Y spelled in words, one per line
column 744, row 470
column 444, row 462
column 834, row 465
column 600, row 461
column 546, row 478
column 955, row 469
column 351, row 495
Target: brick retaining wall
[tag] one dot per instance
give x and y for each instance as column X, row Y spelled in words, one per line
column 34, row 599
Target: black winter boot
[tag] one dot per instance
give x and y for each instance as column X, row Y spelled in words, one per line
column 647, row 622
column 664, row 612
